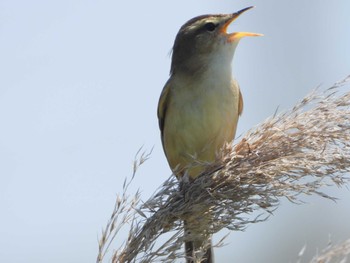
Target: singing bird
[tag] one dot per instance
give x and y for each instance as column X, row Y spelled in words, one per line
column 200, row 104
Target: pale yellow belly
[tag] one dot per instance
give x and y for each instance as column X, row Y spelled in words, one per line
column 197, row 126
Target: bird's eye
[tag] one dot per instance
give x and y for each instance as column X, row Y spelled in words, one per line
column 210, row 26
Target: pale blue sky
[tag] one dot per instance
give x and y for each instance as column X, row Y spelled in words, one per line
column 79, row 87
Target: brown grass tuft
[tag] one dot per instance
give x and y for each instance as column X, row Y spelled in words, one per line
column 293, row 153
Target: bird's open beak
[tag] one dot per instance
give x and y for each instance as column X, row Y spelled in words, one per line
column 237, row 35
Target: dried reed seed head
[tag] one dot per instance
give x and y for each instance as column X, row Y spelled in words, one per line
column 291, row 153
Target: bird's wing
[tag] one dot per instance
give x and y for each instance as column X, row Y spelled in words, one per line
column 236, row 87
column 162, row 107
column 240, row 103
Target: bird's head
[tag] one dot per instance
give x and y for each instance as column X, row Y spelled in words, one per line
column 204, row 39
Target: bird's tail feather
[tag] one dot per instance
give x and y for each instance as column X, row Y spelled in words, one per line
column 196, row 243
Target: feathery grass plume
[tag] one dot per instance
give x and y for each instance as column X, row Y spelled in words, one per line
column 124, row 211
column 292, row 153
column 334, row 254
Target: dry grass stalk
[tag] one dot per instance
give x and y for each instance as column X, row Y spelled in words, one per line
column 293, row 153
column 334, row 254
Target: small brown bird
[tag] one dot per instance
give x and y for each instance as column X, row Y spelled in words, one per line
column 201, row 102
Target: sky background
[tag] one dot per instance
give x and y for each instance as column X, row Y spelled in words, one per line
column 79, row 86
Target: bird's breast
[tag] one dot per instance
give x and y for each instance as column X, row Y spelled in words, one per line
column 201, row 117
